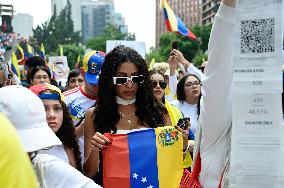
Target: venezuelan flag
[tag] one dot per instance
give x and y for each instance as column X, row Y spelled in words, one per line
column 42, row 51
column 150, row 158
column 15, row 65
column 174, row 23
column 22, row 54
column 30, row 51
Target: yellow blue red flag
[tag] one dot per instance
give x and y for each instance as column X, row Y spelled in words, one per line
column 15, row 65
column 30, row 51
column 22, row 54
column 42, row 51
column 174, row 23
column 146, row 158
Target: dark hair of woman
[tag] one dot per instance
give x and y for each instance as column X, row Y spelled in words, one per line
column 180, row 91
column 152, row 72
column 73, row 73
column 66, row 133
column 149, row 110
column 35, row 70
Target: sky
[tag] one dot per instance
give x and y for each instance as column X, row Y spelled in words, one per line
column 139, row 15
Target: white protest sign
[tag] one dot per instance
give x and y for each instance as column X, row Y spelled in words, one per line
column 257, row 133
column 60, row 68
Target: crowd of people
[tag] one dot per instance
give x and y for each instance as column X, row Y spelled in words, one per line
column 61, row 129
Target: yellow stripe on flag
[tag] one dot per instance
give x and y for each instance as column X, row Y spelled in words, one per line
column 153, row 61
column 169, row 145
column 15, row 64
column 21, row 52
column 171, row 16
column 60, row 50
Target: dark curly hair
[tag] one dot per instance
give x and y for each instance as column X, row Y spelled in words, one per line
column 149, row 110
column 180, row 90
column 66, row 133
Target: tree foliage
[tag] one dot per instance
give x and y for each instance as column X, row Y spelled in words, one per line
column 111, row 33
column 193, row 50
column 59, row 30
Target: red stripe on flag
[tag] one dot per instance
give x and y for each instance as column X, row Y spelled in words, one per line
column 191, row 35
column 168, row 24
column 118, row 164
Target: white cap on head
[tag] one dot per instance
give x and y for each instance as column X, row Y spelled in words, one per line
column 26, row 111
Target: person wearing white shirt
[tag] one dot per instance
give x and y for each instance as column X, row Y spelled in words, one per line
column 215, row 120
column 188, row 95
column 26, row 112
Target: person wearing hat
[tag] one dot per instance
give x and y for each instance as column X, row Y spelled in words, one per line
column 80, row 99
column 59, row 120
column 26, row 111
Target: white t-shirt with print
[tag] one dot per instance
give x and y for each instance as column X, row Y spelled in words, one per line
column 78, row 102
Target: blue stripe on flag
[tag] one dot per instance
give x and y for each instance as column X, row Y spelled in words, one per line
column 165, row 14
column 182, row 29
column 143, row 159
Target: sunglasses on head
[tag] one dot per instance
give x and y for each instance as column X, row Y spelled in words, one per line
column 119, row 80
column 162, row 84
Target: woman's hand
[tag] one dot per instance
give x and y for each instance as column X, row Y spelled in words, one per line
column 99, row 141
column 184, row 136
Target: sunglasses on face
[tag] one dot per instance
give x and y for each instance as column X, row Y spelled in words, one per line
column 162, row 84
column 119, row 80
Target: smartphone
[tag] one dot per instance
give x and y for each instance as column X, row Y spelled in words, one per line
column 184, row 123
column 174, row 45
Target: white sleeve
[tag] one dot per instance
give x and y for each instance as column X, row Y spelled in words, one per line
column 60, row 174
column 193, row 70
column 173, row 81
column 216, row 107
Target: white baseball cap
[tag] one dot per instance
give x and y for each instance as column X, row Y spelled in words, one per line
column 26, row 111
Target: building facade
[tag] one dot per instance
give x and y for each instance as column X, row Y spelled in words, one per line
column 96, row 15
column 23, row 24
column 189, row 11
column 209, row 9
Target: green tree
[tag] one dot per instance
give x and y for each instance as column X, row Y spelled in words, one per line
column 111, row 33
column 58, row 30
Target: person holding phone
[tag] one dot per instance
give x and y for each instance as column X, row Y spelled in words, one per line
column 175, row 115
column 125, row 103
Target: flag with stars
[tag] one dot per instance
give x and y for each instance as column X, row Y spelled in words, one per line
column 150, row 158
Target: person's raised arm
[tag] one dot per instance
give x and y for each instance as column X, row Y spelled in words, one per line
column 216, row 106
column 173, row 81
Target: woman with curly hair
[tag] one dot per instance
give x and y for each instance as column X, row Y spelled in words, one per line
column 125, row 102
column 59, row 120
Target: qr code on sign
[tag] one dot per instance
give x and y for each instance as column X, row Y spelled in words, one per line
column 257, row 36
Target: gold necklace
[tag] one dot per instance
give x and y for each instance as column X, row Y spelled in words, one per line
column 123, row 116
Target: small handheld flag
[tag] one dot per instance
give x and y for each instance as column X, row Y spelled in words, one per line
column 42, row 51
column 15, row 65
column 60, row 50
